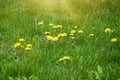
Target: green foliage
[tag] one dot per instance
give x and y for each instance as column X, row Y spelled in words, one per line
column 32, row 77
column 99, row 74
column 88, row 58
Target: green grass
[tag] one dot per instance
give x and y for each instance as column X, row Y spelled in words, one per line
column 91, row 58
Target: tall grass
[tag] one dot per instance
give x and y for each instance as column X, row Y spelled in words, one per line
column 91, row 58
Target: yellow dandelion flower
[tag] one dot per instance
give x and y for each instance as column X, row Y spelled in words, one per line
column 49, row 37
column 108, row 30
column 61, row 59
column 59, row 26
column 62, row 35
column 71, row 34
column 55, row 39
column 29, row 45
column 51, row 24
column 28, row 48
column 114, row 40
column 91, row 35
column 56, row 27
column 21, row 40
column 72, row 31
column 80, row 31
column 47, row 33
column 18, row 44
column 40, row 23
column 66, row 58
column 75, row 27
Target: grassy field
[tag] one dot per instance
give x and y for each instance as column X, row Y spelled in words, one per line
column 59, row 40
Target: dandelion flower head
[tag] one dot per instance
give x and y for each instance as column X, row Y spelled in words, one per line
column 49, row 37
column 72, row 31
column 80, row 31
column 17, row 44
column 21, row 40
column 91, row 35
column 64, row 58
column 40, row 23
column 62, row 35
column 27, row 48
column 51, row 24
column 114, row 40
column 71, row 34
column 29, row 45
column 47, row 33
column 55, row 39
column 108, row 30
column 56, row 27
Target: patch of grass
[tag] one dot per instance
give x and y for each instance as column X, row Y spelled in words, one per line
column 91, row 58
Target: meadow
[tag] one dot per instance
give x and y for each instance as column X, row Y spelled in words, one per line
column 59, row 40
